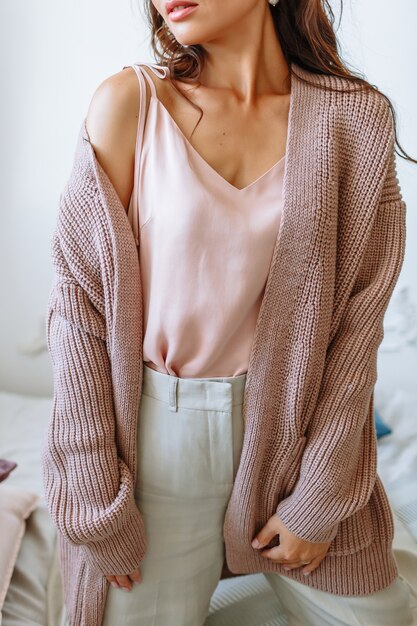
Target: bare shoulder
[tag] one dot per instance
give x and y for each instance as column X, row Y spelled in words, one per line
column 111, row 122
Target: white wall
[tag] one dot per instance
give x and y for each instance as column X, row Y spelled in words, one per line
column 53, row 56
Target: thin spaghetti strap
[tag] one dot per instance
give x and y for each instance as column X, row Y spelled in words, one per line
column 148, row 79
column 133, row 213
column 161, row 71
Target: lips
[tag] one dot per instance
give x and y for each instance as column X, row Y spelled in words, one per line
column 176, row 3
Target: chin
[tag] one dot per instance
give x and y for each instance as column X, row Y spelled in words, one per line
column 188, row 41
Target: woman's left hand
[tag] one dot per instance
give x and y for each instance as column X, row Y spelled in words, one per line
column 292, row 550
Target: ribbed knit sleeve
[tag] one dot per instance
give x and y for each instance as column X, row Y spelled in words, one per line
column 339, row 462
column 88, row 487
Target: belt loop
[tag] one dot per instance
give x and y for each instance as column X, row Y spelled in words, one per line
column 173, row 383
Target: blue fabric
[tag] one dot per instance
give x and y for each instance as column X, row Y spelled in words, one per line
column 381, row 428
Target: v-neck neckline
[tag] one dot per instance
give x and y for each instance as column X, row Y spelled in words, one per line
column 154, row 99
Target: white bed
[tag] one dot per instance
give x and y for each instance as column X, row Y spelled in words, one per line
column 34, row 595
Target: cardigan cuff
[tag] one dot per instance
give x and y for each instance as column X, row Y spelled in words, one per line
column 121, row 552
column 309, row 519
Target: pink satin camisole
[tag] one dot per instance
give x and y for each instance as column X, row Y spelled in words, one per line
column 205, row 247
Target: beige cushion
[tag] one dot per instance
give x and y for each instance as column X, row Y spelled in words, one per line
column 16, row 504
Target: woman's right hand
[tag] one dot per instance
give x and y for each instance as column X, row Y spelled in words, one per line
column 125, row 582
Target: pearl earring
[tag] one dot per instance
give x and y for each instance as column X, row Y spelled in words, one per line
column 273, row 2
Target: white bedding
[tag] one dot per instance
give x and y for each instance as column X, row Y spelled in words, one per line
column 397, row 452
column 34, row 590
column 35, row 595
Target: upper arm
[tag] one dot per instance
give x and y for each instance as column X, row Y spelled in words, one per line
column 111, row 121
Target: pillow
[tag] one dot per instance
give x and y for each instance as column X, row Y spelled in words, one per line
column 16, row 504
column 380, row 426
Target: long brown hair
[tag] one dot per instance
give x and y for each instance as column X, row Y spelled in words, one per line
column 307, row 37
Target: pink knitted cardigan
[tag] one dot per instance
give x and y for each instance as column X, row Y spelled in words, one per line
column 309, row 451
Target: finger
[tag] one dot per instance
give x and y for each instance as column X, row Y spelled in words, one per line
column 312, row 565
column 124, row 582
column 112, row 580
column 278, row 555
column 266, row 533
column 293, row 565
column 136, row 576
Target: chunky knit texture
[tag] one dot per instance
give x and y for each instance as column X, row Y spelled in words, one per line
column 309, row 450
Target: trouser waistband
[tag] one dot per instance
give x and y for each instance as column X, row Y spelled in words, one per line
column 217, row 393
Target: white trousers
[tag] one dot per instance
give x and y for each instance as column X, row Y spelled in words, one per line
column 190, row 435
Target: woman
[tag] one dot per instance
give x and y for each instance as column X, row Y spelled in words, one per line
column 214, row 401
